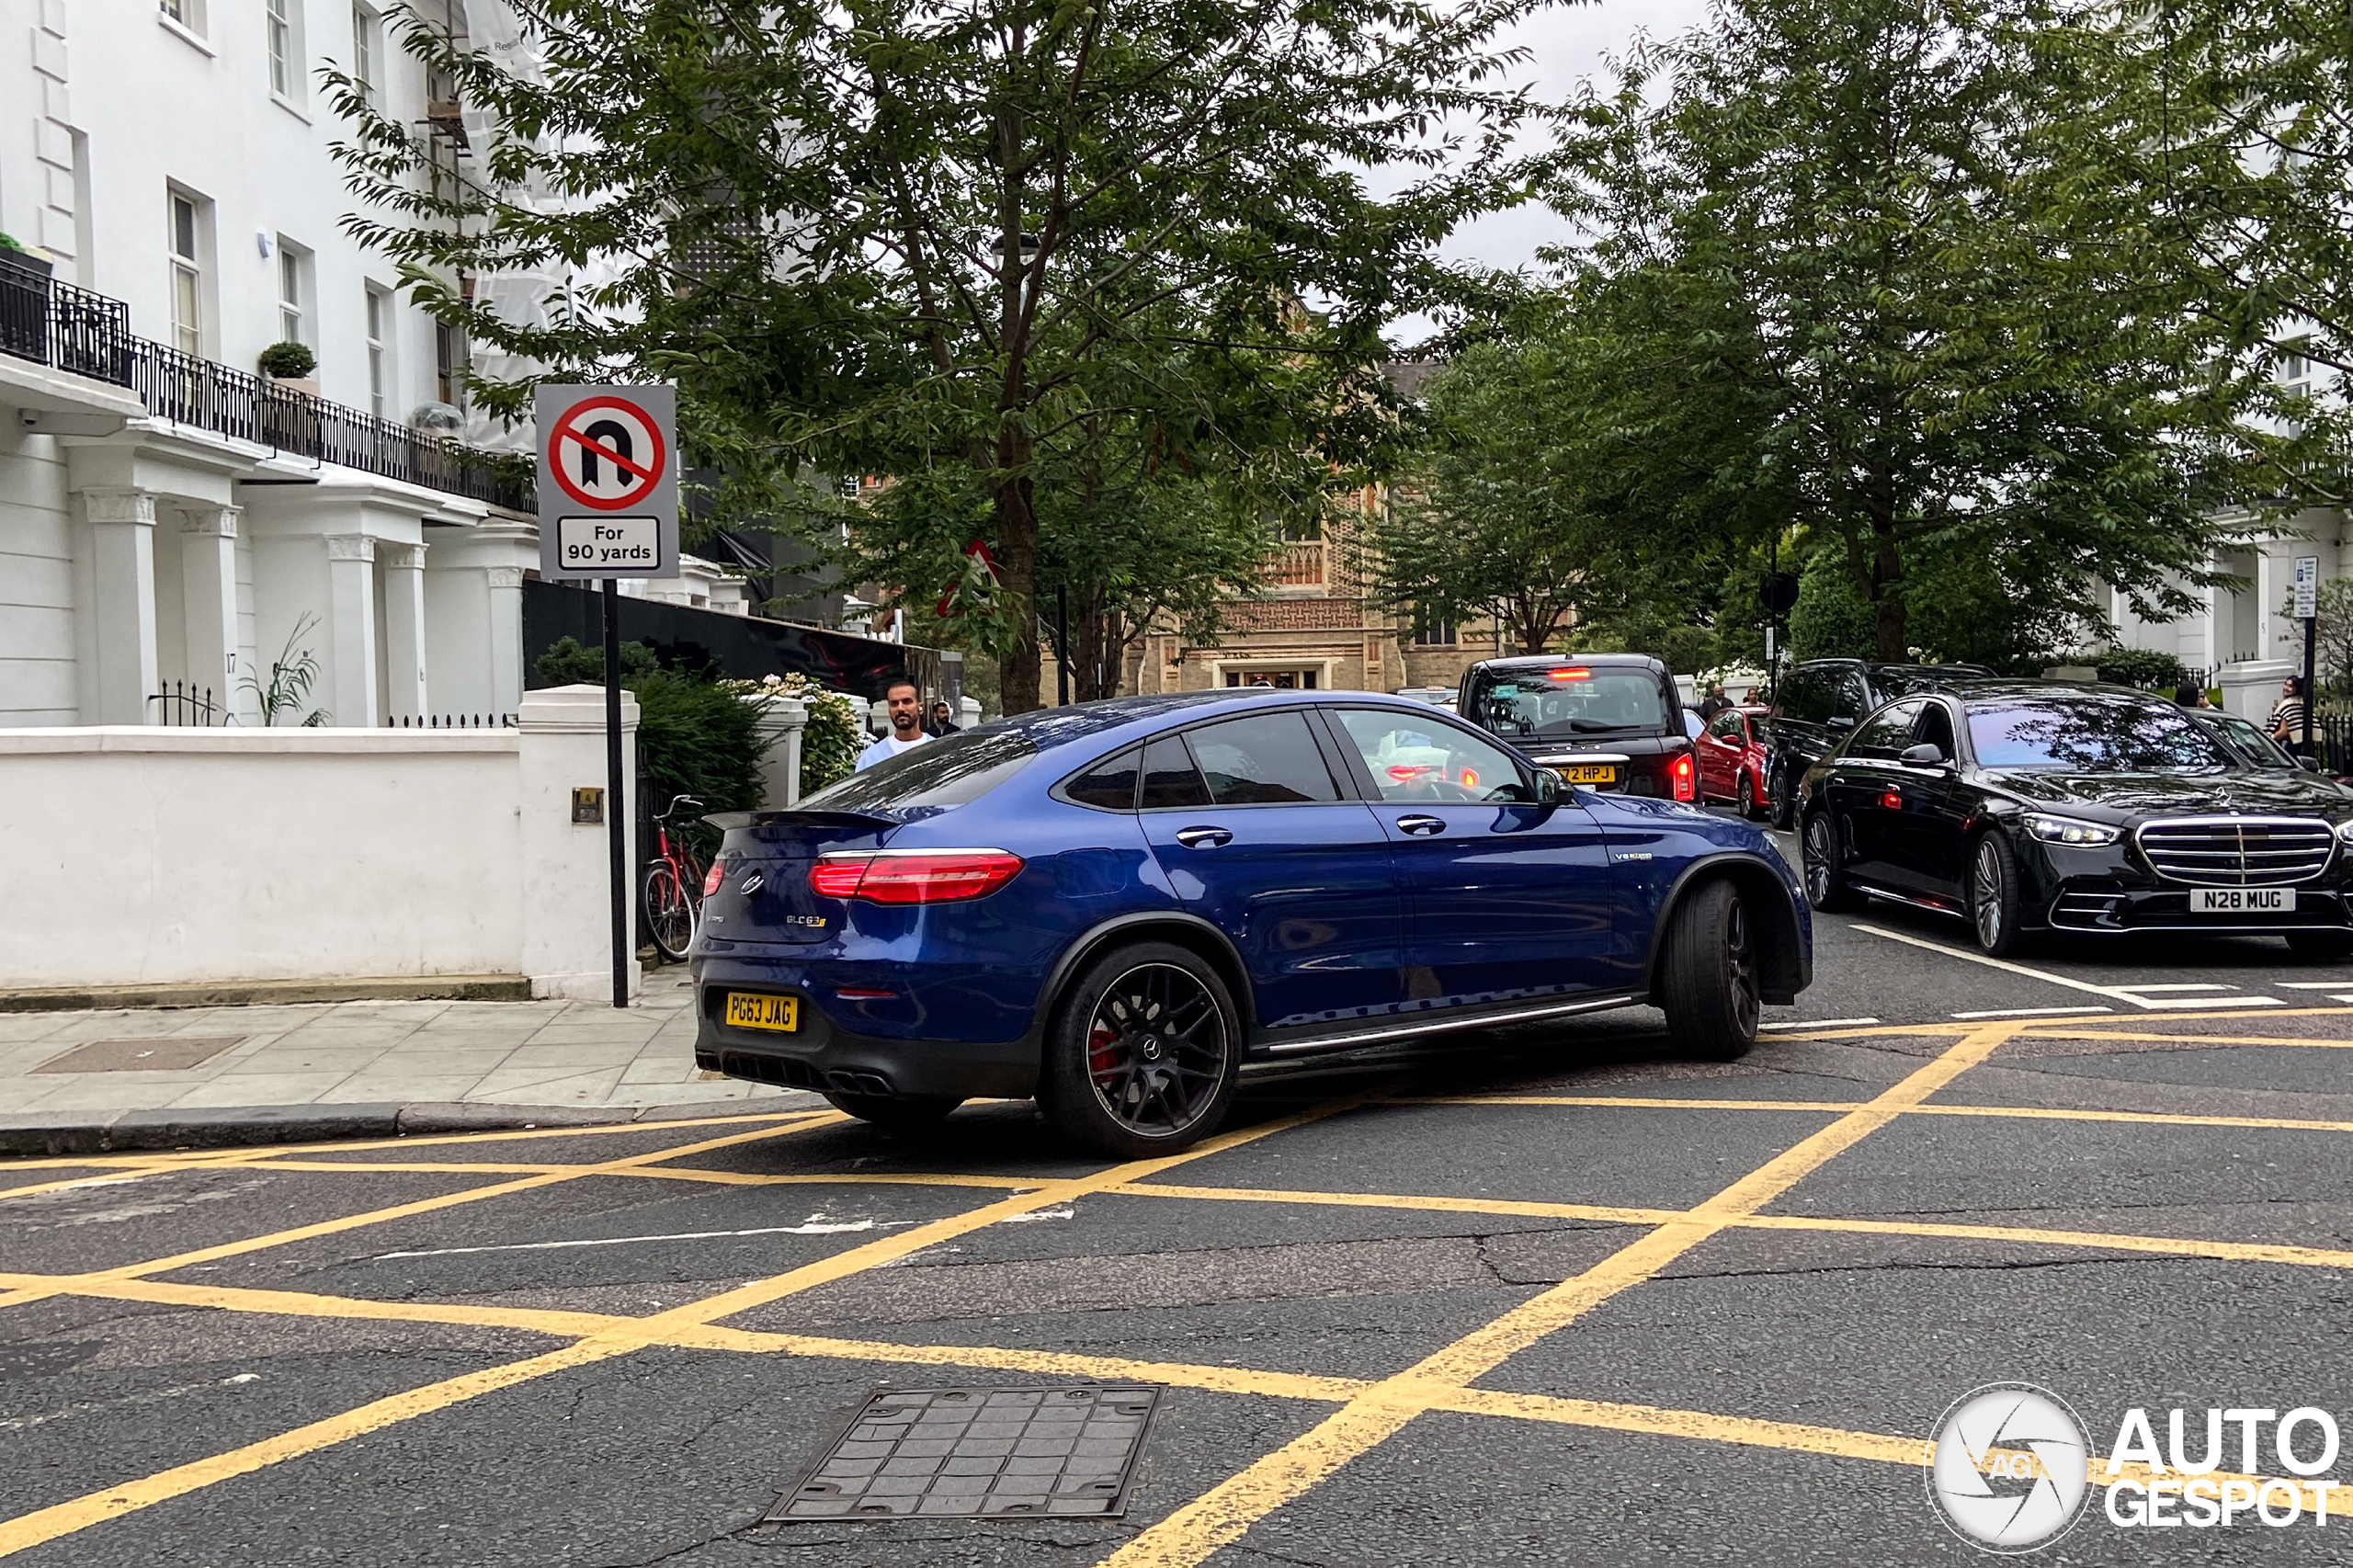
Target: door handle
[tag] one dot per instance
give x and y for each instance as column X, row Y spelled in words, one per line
column 1203, row 837
column 1420, row 825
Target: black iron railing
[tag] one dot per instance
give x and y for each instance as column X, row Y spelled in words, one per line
column 450, row 721
column 181, row 702
column 89, row 334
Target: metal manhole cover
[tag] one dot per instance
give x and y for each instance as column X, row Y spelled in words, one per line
column 980, row 1453
column 163, row 1053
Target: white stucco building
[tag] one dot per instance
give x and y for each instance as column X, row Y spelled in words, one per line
column 163, row 518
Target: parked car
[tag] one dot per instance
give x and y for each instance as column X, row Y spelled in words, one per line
column 1605, row 720
column 1732, row 759
column 2033, row 806
column 2245, row 740
column 1111, row 906
column 1819, row 701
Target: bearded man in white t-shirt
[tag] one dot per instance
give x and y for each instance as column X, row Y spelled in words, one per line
column 907, row 725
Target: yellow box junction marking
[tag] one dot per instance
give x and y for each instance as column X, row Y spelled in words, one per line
column 1371, row 1410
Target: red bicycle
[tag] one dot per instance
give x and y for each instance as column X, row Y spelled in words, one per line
column 673, row 887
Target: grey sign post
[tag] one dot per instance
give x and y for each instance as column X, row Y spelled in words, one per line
column 609, row 509
column 2307, row 609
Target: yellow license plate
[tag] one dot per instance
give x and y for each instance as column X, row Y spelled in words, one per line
column 1587, row 772
column 756, row 1010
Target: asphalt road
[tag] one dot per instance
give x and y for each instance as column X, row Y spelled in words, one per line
column 1555, row 1296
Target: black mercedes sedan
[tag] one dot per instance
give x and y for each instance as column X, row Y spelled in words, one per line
column 2026, row 807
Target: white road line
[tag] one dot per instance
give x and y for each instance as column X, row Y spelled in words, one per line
column 2213, row 1002
column 2309, row 985
column 812, row 1226
column 2032, row 1012
column 1819, row 1024
column 22, row 1422
column 2113, row 993
column 2192, row 985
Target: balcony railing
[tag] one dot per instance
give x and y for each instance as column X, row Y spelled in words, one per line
column 85, row 334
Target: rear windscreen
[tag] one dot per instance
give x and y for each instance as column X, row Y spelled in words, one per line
column 945, row 772
column 1569, row 701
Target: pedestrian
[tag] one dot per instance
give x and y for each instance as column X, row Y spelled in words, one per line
column 1714, row 702
column 2287, row 718
column 907, row 725
column 941, row 723
column 2192, row 696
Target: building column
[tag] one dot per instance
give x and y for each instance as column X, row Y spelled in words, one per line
column 505, row 638
column 209, row 599
column 403, row 567
column 123, row 605
column 352, row 629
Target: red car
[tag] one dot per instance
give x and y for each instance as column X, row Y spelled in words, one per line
column 1731, row 759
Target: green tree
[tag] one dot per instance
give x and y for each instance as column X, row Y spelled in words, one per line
column 907, row 237
column 2212, row 145
column 695, row 735
column 1858, row 202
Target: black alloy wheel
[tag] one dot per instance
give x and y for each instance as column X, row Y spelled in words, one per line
column 1143, row 1057
column 1825, row 872
column 1709, row 987
column 1994, row 895
column 1781, row 800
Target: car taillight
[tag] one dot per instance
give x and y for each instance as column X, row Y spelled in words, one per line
column 717, row 875
column 913, row 876
column 1687, row 785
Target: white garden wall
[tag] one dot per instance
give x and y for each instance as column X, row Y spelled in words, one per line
column 151, row 855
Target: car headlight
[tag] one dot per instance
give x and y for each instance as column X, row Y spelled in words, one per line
column 2345, row 830
column 2070, row 831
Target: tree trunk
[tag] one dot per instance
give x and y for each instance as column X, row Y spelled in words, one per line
column 1891, row 614
column 1085, row 656
column 1016, row 556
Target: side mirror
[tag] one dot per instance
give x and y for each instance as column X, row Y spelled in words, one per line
column 1927, row 753
column 1840, row 720
column 1547, row 787
column 2308, row 763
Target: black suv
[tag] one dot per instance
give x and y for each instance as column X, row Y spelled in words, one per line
column 1819, row 701
column 1605, row 720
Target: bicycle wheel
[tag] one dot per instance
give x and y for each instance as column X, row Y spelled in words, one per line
column 669, row 912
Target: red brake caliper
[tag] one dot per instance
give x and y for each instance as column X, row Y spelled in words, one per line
column 1101, row 1056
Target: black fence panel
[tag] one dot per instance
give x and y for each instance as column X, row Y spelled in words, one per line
column 745, row 647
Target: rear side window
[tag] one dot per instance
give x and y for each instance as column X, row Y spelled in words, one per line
column 1264, row 759
column 1109, row 784
column 1801, row 697
column 1169, row 777
column 1849, row 697
column 945, row 772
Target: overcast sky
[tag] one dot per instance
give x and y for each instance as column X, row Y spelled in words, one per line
column 1565, row 45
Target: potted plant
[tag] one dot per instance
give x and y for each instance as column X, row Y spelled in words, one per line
column 290, row 364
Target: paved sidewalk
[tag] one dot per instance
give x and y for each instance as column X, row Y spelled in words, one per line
column 70, row 1076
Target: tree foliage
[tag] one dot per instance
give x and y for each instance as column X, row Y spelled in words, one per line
column 1861, row 209
column 695, row 735
column 960, row 242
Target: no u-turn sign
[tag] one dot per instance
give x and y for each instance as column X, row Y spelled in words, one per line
column 608, row 486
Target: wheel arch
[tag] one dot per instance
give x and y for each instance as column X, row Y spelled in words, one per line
column 1188, row 931
column 1785, row 966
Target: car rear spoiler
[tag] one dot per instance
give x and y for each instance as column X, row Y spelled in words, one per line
column 855, row 821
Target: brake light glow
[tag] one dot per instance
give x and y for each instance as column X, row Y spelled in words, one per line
column 1686, row 784
column 1408, row 772
column 1571, row 673
column 913, row 876
column 717, row 875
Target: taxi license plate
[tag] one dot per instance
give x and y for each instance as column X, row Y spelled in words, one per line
column 1587, row 772
column 757, row 1010
column 2242, row 901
